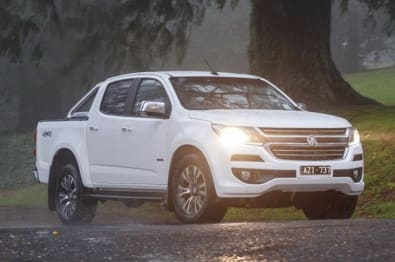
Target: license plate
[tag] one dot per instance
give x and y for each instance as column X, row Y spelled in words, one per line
column 315, row 170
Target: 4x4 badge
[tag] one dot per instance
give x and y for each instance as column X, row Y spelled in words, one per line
column 47, row 134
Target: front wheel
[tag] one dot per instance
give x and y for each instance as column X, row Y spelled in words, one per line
column 70, row 206
column 193, row 192
column 331, row 205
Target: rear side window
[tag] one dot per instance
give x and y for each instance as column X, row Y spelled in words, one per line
column 85, row 105
column 115, row 99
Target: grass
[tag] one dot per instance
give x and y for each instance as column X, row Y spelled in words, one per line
column 377, row 129
column 377, row 84
column 34, row 195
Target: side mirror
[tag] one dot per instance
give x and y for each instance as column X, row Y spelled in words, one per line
column 302, row 106
column 154, row 108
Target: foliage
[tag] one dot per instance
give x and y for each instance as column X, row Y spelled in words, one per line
column 388, row 6
column 125, row 30
column 130, row 35
column 22, row 24
column 16, row 159
column 99, row 37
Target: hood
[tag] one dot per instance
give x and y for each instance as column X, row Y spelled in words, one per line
column 270, row 118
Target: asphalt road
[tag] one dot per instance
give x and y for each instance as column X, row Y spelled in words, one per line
column 331, row 240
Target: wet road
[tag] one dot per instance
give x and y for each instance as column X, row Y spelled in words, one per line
column 335, row 240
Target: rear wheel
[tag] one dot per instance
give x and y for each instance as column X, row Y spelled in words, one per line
column 70, row 205
column 331, row 205
column 193, row 193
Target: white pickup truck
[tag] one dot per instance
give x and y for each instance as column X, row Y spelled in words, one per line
column 200, row 142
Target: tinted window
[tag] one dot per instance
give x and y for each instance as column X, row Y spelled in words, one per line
column 85, row 106
column 228, row 93
column 151, row 90
column 115, row 98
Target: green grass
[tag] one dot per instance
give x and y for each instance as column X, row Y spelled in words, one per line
column 377, row 129
column 377, row 84
column 25, row 196
column 378, row 210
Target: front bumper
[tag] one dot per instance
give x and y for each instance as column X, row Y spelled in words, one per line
column 229, row 186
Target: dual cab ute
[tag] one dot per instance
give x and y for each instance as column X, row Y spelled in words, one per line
column 200, row 142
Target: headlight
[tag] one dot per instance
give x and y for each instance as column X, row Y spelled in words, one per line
column 237, row 135
column 354, row 137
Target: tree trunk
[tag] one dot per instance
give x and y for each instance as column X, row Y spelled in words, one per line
column 289, row 45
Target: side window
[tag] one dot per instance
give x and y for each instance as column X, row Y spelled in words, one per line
column 150, row 90
column 85, row 105
column 115, row 98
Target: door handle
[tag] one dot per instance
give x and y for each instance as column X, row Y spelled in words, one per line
column 93, row 128
column 126, row 129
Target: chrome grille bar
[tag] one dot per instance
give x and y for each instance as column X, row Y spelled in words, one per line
column 304, row 131
column 293, row 144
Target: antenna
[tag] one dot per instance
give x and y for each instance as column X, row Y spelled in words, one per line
column 209, row 66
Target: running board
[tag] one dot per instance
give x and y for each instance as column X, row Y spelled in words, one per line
column 119, row 195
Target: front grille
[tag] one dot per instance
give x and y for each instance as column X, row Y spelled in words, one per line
column 308, row 152
column 306, row 144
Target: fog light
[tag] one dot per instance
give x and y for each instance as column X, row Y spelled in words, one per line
column 357, row 174
column 245, row 175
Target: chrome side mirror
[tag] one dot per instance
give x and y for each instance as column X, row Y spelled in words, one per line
column 302, row 106
column 154, row 108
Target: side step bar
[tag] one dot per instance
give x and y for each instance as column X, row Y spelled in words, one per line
column 130, row 194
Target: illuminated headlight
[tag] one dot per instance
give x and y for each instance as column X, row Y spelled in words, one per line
column 354, row 137
column 237, row 135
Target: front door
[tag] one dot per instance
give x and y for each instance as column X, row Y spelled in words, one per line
column 148, row 143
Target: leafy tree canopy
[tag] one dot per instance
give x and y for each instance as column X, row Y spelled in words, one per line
column 130, row 32
column 388, row 6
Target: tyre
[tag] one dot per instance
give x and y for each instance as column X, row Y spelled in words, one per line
column 71, row 208
column 331, row 206
column 193, row 193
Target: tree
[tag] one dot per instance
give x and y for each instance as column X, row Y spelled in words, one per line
column 289, row 45
column 359, row 36
column 20, row 35
column 127, row 36
column 108, row 36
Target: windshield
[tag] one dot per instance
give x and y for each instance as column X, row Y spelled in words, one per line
column 202, row 93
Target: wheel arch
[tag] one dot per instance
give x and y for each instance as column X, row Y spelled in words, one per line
column 61, row 157
column 177, row 155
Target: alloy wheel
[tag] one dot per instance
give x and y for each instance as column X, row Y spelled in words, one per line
column 191, row 190
column 67, row 195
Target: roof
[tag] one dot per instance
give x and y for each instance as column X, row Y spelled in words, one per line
column 183, row 74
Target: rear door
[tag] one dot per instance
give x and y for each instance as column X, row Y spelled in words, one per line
column 107, row 134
